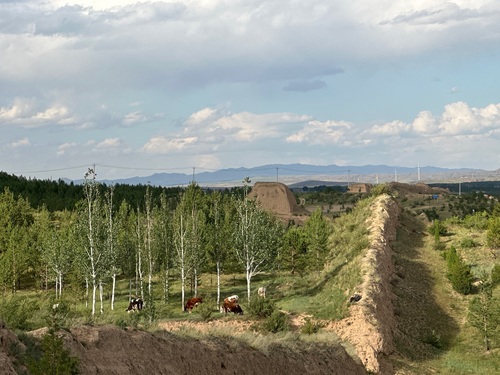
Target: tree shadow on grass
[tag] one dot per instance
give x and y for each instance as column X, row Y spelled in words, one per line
column 424, row 329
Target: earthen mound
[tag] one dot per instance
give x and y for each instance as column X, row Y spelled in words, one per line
column 278, row 199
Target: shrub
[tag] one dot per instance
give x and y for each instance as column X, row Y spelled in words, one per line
column 434, row 339
column 381, row 189
column 437, row 228
column 205, row 311
column 17, row 311
column 57, row 314
column 310, row 327
column 493, row 233
column 468, row 243
column 261, row 307
column 459, row 273
column 54, row 358
column 277, row 322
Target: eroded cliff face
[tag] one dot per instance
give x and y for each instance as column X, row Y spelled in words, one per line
column 371, row 323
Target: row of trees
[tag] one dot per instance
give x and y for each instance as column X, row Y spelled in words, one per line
column 162, row 238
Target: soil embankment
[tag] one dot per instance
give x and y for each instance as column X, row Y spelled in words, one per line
column 371, row 323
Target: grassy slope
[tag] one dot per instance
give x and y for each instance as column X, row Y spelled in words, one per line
column 430, row 314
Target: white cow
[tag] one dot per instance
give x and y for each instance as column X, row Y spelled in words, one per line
column 262, row 292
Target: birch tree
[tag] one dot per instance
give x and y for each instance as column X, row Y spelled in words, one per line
column 139, row 226
column 148, row 237
column 56, row 244
column 188, row 236
column 112, row 251
column 257, row 240
column 164, row 239
column 91, row 225
column 219, row 232
column 180, row 242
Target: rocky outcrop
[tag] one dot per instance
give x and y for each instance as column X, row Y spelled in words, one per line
column 371, row 323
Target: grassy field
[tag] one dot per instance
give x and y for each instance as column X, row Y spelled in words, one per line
column 434, row 334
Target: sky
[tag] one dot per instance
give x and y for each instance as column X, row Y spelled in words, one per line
column 138, row 88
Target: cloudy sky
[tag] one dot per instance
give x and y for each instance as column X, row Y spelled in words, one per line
column 166, row 86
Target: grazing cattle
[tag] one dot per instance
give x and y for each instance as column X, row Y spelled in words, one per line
column 135, row 305
column 231, row 307
column 232, row 299
column 192, row 303
column 262, row 292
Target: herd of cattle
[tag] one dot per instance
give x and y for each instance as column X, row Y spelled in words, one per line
column 230, row 304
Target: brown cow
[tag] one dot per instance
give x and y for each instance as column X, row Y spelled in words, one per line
column 231, row 307
column 192, row 303
column 232, row 299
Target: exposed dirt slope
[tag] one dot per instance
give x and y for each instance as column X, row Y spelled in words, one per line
column 110, row 350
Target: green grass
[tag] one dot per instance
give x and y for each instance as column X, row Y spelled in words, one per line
column 426, row 305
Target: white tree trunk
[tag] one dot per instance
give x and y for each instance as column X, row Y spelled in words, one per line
column 113, row 291
column 218, row 283
column 100, row 297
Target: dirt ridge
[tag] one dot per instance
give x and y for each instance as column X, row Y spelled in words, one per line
column 371, row 323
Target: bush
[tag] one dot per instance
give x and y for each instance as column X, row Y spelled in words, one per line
column 437, row 229
column 261, row 307
column 493, row 233
column 459, row 273
column 205, row 311
column 310, row 327
column 434, row 339
column 277, row 322
column 17, row 311
column 468, row 243
column 54, row 358
column 57, row 314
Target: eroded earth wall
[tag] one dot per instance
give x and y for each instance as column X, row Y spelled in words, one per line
column 371, row 322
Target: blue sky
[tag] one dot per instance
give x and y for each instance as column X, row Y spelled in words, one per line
column 165, row 86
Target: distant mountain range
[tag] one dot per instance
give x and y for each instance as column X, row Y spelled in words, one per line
column 316, row 174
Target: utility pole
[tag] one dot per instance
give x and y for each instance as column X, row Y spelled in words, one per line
column 193, row 174
column 277, row 174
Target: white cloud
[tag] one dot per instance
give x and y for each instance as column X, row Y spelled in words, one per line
column 65, row 147
column 322, row 133
column 28, row 112
column 390, row 128
column 109, row 143
column 25, row 142
column 134, row 117
column 165, row 145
